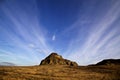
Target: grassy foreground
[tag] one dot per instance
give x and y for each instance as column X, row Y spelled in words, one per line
column 46, row 72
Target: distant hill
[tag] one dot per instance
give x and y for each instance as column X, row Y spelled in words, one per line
column 55, row 59
column 7, row 64
column 109, row 62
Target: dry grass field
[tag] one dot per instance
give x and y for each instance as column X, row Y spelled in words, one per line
column 49, row 72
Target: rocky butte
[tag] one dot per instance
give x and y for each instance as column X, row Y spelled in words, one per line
column 55, row 59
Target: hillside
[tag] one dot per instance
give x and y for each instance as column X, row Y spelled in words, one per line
column 55, row 67
column 109, row 62
column 7, row 64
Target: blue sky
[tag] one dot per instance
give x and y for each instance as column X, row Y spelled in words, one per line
column 85, row 31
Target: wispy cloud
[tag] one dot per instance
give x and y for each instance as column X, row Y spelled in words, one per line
column 31, row 45
column 102, row 42
column 97, row 35
column 24, row 31
column 53, row 37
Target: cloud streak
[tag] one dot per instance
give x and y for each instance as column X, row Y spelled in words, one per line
column 102, row 42
column 53, row 37
column 94, row 36
column 24, row 32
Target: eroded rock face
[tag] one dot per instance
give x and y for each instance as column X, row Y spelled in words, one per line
column 55, row 59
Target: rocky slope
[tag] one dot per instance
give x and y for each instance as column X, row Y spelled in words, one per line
column 109, row 62
column 55, row 59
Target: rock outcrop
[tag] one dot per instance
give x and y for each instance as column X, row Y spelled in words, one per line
column 55, row 59
column 109, row 62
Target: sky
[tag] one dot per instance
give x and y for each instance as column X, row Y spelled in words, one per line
column 84, row 31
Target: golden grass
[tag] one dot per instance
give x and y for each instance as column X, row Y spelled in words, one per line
column 47, row 72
